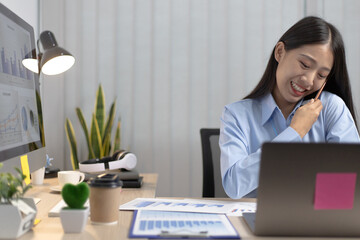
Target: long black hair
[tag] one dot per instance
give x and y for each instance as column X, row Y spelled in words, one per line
column 312, row 30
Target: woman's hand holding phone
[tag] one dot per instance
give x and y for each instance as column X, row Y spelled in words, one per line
column 306, row 116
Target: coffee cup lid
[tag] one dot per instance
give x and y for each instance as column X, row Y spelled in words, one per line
column 107, row 180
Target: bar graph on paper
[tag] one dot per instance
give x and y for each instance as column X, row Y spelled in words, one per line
column 153, row 223
column 177, row 205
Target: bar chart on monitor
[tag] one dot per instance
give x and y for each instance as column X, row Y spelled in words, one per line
column 11, row 54
column 19, row 122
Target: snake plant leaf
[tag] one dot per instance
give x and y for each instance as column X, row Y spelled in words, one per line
column 109, row 122
column 70, row 134
column 86, row 132
column 117, row 137
column 41, row 125
column 106, row 146
column 96, row 138
column 100, row 109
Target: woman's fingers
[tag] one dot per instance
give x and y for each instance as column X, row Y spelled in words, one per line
column 306, row 116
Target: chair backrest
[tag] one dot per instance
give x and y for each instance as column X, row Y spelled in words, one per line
column 212, row 183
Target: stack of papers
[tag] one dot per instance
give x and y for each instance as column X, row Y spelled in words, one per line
column 229, row 208
column 130, row 179
column 186, row 218
column 164, row 224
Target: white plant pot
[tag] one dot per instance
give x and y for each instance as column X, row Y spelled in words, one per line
column 74, row 220
column 14, row 223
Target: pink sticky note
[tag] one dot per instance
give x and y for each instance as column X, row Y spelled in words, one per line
column 334, row 190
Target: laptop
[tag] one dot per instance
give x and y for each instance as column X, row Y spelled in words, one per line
column 308, row 189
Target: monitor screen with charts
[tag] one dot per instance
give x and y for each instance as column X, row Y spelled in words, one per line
column 21, row 128
column 308, row 189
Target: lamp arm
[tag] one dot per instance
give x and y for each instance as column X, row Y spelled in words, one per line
column 38, row 46
column 39, row 56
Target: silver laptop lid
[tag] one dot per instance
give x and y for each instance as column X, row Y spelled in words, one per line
column 305, row 189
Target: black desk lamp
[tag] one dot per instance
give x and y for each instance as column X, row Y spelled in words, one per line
column 54, row 59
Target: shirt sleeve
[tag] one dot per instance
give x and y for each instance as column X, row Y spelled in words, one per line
column 339, row 123
column 288, row 135
column 239, row 166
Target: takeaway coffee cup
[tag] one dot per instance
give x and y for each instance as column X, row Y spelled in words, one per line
column 105, row 198
column 73, row 177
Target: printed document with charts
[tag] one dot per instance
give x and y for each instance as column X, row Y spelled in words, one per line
column 230, row 208
column 167, row 224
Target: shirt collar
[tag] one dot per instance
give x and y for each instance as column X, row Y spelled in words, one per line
column 269, row 106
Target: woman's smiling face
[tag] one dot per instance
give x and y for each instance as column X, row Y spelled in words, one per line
column 300, row 72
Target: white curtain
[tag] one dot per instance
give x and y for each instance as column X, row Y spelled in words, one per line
column 171, row 65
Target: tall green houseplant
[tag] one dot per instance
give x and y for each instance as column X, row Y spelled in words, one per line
column 98, row 137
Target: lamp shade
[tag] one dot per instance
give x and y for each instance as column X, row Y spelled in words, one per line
column 31, row 63
column 54, row 59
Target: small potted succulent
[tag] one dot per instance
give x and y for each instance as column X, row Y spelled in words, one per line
column 75, row 216
column 17, row 214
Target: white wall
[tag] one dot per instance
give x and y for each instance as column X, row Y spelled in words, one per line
column 172, row 66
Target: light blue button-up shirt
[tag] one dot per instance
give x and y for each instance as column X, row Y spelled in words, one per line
column 247, row 124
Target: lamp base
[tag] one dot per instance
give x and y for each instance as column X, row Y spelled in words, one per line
column 51, row 172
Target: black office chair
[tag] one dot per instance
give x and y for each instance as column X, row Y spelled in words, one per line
column 212, row 185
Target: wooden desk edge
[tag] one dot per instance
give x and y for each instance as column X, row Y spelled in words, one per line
column 50, row 227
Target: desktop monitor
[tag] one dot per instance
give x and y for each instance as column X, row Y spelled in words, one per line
column 21, row 125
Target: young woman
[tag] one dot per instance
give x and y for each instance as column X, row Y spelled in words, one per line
column 282, row 107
